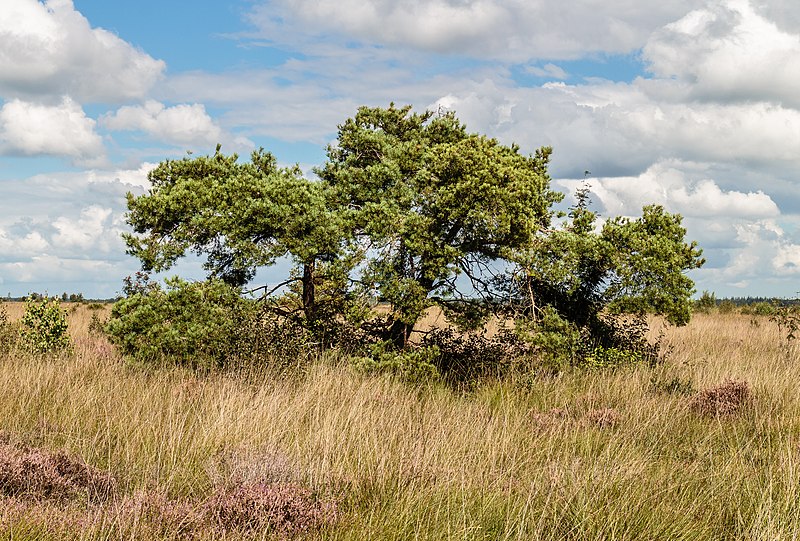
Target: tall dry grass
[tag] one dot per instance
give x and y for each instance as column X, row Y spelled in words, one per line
column 583, row 456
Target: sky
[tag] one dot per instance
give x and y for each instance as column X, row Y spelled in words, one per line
column 689, row 104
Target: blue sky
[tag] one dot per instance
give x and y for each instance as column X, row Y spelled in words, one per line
column 693, row 105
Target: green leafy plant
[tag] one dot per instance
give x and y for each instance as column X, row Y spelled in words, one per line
column 706, row 303
column 44, row 327
column 192, row 323
column 468, row 357
column 787, row 318
column 413, row 365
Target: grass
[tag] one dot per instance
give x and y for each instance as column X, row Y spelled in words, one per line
column 587, row 455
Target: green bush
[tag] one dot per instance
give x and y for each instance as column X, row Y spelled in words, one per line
column 706, row 303
column 413, row 364
column 192, row 323
column 467, row 358
column 556, row 341
column 44, row 326
column 760, row 309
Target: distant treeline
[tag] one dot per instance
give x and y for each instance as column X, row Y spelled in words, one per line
column 747, row 301
column 64, row 297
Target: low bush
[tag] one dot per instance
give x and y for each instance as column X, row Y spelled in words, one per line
column 413, row 364
column 191, row 323
column 466, row 358
column 44, row 326
column 34, row 473
column 724, row 400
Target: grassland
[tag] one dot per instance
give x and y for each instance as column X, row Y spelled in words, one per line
column 630, row 454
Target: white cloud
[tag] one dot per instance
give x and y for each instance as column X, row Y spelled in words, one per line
column 516, row 30
column 49, row 49
column 548, row 70
column 88, row 231
column 34, row 129
column 22, row 246
column 677, row 187
column 728, row 51
column 178, row 124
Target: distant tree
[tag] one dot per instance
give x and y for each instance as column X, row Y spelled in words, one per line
column 706, row 302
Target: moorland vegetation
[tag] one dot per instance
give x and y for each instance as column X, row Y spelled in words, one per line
column 450, row 358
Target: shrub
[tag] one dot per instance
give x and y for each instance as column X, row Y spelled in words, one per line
column 264, row 338
column 188, row 322
column 608, row 341
column 44, row 326
column 30, row 472
column 413, row 364
column 723, row 400
column 466, row 358
column 706, row 303
column 285, row 509
column 760, row 309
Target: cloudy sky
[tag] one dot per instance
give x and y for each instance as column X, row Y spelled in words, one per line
column 694, row 105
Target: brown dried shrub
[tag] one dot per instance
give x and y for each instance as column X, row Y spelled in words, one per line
column 285, row 509
column 723, row 400
column 34, row 473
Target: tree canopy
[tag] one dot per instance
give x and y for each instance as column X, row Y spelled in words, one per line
column 414, row 207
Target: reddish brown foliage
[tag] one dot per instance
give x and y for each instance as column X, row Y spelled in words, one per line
column 723, row 400
column 34, row 473
column 283, row 508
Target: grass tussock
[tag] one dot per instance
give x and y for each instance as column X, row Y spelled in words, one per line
column 636, row 453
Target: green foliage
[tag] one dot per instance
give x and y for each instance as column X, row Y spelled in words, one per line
column 433, row 202
column 556, row 340
column 572, row 289
column 467, row 358
column 760, row 309
column 726, row 307
column 413, row 209
column 44, row 327
column 188, row 322
column 263, row 339
column 413, row 364
column 239, row 216
column 787, row 317
column 706, row 303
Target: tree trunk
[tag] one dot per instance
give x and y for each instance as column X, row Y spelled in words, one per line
column 309, row 300
column 399, row 333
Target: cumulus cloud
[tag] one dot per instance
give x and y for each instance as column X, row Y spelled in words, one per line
column 63, row 130
column 178, row 124
column 85, row 232
column 515, row 30
column 620, row 129
column 678, row 190
column 727, row 51
column 49, row 49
